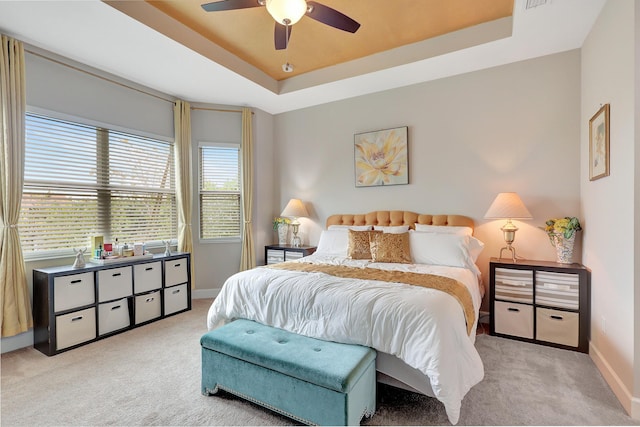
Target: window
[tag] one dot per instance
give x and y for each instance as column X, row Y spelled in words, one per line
column 220, row 208
column 82, row 181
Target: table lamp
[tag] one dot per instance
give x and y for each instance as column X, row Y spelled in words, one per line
column 508, row 206
column 295, row 209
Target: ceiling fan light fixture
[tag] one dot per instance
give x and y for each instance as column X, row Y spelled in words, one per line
column 287, row 12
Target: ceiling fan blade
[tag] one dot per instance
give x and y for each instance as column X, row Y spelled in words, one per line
column 217, row 6
column 331, row 17
column 280, row 36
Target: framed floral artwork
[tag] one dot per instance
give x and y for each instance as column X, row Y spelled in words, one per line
column 599, row 144
column 381, row 157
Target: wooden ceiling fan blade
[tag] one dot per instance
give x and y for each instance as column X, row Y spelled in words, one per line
column 332, row 17
column 217, row 6
column 280, row 36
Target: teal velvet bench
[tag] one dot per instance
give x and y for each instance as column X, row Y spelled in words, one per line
column 308, row 380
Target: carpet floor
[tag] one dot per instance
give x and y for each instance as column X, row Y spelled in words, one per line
column 151, row 376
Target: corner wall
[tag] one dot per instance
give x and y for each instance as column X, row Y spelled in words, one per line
column 609, row 75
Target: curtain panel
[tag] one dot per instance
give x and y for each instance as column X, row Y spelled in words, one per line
column 184, row 192
column 15, row 303
column 248, row 256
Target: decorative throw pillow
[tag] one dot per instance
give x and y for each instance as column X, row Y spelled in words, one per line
column 390, row 247
column 359, row 244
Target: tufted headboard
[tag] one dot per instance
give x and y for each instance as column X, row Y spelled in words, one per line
column 398, row 218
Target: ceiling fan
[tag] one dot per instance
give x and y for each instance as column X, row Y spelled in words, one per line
column 288, row 12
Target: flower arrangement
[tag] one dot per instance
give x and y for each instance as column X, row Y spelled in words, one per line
column 566, row 226
column 280, row 220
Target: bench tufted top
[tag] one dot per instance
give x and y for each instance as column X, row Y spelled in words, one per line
column 398, row 218
column 331, row 365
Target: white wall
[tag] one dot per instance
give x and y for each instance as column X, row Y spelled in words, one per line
column 215, row 262
column 609, row 75
column 510, row 128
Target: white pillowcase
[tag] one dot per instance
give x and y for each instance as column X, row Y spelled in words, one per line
column 441, row 249
column 333, row 242
column 350, row 227
column 475, row 245
column 392, row 229
column 450, row 229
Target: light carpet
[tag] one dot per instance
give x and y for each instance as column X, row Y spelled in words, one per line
column 151, row 376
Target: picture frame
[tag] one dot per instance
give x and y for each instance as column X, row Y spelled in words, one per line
column 599, row 144
column 381, row 157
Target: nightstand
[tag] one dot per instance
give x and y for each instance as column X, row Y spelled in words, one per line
column 274, row 254
column 541, row 302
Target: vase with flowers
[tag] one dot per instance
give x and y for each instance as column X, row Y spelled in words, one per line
column 562, row 235
column 281, row 225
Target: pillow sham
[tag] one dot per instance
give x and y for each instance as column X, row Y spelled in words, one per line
column 390, row 247
column 475, row 248
column 394, row 229
column 359, row 244
column 450, row 250
column 333, row 242
column 449, row 229
column 350, row 227
column 475, row 245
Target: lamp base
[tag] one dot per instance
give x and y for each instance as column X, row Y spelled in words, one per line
column 511, row 249
column 296, row 241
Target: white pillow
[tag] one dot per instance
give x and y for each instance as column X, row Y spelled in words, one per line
column 350, row 227
column 441, row 249
column 475, row 248
column 475, row 245
column 333, row 242
column 450, row 229
column 393, row 229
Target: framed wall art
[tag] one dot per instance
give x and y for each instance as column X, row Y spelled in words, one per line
column 599, row 144
column 381, row 157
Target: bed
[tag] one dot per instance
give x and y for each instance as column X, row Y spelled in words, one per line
column 403, row 283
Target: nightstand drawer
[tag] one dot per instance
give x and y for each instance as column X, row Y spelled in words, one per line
column 514, row 319
column 275, row 256
column 289, row 255
column 560, row 290
column 560, row 327
column 514, row 285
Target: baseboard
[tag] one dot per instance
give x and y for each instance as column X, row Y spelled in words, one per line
column 629, row 403
column 17, row 342
column 204, row 293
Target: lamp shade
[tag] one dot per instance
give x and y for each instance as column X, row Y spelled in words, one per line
column 287, row 12
column 295, row 209
column 508, row 206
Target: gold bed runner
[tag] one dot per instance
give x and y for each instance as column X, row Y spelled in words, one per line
column 441, row 283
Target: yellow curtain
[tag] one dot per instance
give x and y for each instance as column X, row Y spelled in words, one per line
column 182, row 126
column 248, row 256
column 14, row 293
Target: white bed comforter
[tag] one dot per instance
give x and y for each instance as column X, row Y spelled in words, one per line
column 423, row 327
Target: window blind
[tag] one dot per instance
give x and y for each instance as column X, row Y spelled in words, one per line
column 82, row 181
column 220, row 208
